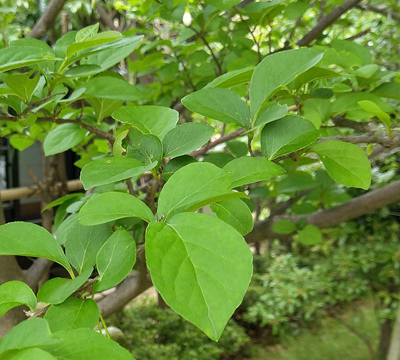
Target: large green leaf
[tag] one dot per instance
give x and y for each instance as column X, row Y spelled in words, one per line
column 201, row 266
column 109, row 170
column 112, row 206
column 15, row 293
column 73, row 314
column 286, row 135
column 22, row 85
column 115, row 259
column 236, row 213
column 83, row 244
column 345, row 163
column 113, row 88
column 232, row 78
column 30, row 333
column 277, row 70
column 57, row 290
column 63, row 138
column 27, row 239
column 30, row 354
column 84, row 344
column 219, row 104
column 248, row 170
column 156, row 120
column 18, row 56
column 190, row 185
column 186, row 138
column 389, row 90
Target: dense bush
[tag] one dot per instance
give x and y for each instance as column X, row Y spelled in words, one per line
column 154, row 333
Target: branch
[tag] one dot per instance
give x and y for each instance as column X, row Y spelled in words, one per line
column 36, row 271
column 350, row 210
column 358, row 35
column 383, row 10
column 326, row 21
column 46, row 21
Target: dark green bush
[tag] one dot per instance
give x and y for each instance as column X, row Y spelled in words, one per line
column 154, row 333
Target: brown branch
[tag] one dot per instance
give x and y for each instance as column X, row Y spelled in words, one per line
column 358, row 35
column 381, row 138
column 383, row 10
column 46, row 21
column 233, row 135
column 326, row 21
column 350, row 210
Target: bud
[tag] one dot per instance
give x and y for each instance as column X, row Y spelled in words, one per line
column 187, row 18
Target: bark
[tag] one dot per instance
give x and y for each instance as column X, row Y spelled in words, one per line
column 350, row 210
column 326, row 21
column 46, row 21
column 384, row 341
column 394, row 350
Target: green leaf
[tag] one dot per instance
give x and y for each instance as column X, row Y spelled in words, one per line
column 30, row 354
column 345, row 163
column 65, row 227
column 18, row 56
column 72, row 314
column 313, row 74
column 271, row 113
column 237, row 148
column 112, row 206
column 219, row 159
column 84, row 344
column 389, row 90
column 248, row 170
column 56, row 290
column 287, row 135
column 15, row 293
column 374, row 109
column 223, row 4
column 113, row 88
column 62, row 199
column 186, row 138
column 175, row 164
column 27, row 239
column 82, row 71
column 190, row 185
column 366, row 71
column 115, row 259
column 109, row 170
column 232, row 78
column 104, row 107
column 86, row 32
column 235, row 213
column 83, row 243
column 118, row 149
column 284, row 227
column 21, row 141
column 148, row 149
column 29, row 333
column 63, row 138
column 201, row 266
column 219, row 104
column 297, row 182
column 156, row 120
column 310, row 235
column 316, row 110
column 22, row 85
column 276, row 70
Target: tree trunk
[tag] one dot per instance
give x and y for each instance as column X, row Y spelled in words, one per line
column 384, row 341
column 394, row 351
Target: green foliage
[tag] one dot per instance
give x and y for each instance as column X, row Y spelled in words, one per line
column 153, row 333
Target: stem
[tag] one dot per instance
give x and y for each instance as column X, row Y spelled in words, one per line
column 104, row 326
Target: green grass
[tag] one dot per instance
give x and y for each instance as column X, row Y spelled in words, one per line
column 330, row 341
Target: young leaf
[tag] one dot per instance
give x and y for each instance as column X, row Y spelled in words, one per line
column 310, row 235
column 345, row 163
column 186, row 138
column 219, row 104
column 72, row 314
column 286, row 135
column 29, row 333
column 83, row 243
column 277, row 70
column 112, row 206
column 271, row 113
column 27, row 239
column 284, row 227
column 112, row 88
column 156, row 120
column 62, row 199
column 62, row 138
column 15, row 293
column 201, row 266
column 374, row 109
column 110, row 170
column 235, row 213
column 87, row 32
column 56, row 290
column 84, row 344
column 190, row 185
column 115, row 259
column 248, row 170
